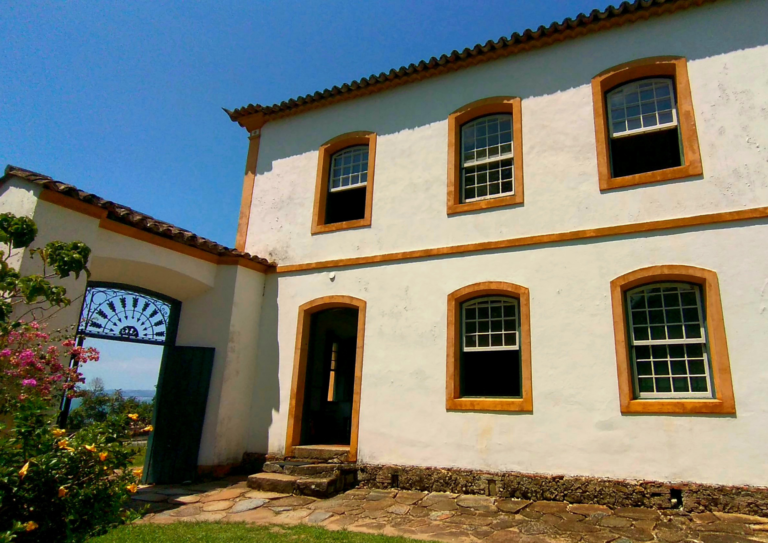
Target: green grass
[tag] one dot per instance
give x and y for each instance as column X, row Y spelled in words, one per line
column 211, row 532
column 138, row 460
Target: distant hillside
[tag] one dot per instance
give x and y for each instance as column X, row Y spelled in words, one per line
column 143, row 395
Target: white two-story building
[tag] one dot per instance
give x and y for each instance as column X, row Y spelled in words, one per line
column 540, row 262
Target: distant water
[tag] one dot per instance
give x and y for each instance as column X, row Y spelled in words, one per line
column 144, row 396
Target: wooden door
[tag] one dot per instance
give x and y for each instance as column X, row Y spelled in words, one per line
column 182, row 394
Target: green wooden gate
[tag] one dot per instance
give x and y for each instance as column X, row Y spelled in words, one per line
column 182, row 394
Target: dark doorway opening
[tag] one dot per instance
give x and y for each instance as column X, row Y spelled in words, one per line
column 330, row 377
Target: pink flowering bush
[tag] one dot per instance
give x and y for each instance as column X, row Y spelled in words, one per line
column 55, row 485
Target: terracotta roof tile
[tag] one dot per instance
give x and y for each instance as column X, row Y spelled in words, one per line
column 529, row 39
column 131, row 217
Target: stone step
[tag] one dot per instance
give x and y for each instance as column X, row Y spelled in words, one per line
column 273, row 482
column 338, row 453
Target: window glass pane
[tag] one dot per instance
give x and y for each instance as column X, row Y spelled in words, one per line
column 640, row 106
column 349, row 168
column 485, row 323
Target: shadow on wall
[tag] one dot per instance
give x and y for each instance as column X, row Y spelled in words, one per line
column 696, row 34
column 266, row 388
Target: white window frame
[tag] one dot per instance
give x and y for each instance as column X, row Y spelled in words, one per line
column 472, row 163
column 472, row 302
column 634, row 86
column 339, row 155
column 703, row 341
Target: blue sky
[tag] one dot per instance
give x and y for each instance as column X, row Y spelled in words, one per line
column 124, row 99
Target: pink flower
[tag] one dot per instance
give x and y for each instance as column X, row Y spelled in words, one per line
column 29, row 383
column 68, row 343
column 5, row 353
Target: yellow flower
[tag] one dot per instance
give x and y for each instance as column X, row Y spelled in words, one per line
column 58, row 432
column 62, row 444
column 31, row 525
column 63, row 492
column 138, row 472
column 91, row 448
column 149, row 428
column 133, row 416
column 23, row 471
column 132, row 488
column 103, row 456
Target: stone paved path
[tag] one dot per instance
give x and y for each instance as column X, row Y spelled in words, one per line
column 445, row 517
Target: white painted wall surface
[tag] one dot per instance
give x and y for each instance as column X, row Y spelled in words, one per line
column 725, row 44
column 226, row 318
column 576, row 427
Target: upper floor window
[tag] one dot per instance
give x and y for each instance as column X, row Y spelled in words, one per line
column 671, row 350
column 487, row 158
column 642, row 120
column 344, row 186
column 644, row 123
column 485, row 155
column 489, row 357
column 348, row 180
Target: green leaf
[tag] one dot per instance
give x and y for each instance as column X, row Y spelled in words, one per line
column 18, row 231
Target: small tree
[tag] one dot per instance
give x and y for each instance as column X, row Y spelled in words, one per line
column 54, row 485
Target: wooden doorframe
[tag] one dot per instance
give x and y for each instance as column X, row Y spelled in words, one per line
column 296, row 406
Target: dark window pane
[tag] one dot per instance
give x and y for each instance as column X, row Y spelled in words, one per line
column 644, row 368
column 688, row 298
column 679, row 367
column 645, row 152
column 654, row 301
column 645, row 385
column 345, row 205
column 663, row 384
column 483, row 326
column 640, row 317
column 696, row 367
column 471, row 313
column 694, row 351
column 671, row 300
column 496, row 326
column 661, row 367
column 641, row 333
column 674, row 316
column 691, row 314
column 491, row 374
column 659, row 351
column 675, row 331
column 637, row 301
column 692, row 331
column 656, row 316
column 643, row 352
column 658, row 332
column 680, row 384
column 699, row 384
column 471, row 327
column 482, row 312
column 676, row 351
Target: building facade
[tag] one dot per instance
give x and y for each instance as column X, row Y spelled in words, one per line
column 542, row 256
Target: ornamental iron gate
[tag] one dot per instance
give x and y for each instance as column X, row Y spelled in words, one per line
column 135, row 316
column 120, row 312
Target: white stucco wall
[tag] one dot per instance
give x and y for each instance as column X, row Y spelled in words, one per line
column 576, row 427
column 226, row 318
column 728, row 68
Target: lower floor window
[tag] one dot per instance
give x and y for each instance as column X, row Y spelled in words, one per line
column 668, row 341
column 490, row 352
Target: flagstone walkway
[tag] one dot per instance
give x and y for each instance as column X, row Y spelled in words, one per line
column 445, row 517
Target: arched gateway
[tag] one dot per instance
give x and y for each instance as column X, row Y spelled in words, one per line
column 118, row 312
